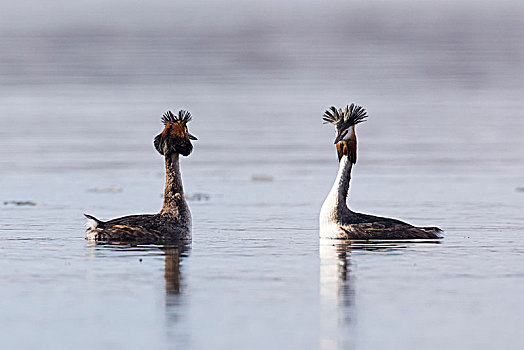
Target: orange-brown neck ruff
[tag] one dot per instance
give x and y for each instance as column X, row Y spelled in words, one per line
column 348, row 148
column 174, row 129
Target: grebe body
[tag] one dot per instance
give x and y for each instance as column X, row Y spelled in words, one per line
column 173, row 222
column 336, row 220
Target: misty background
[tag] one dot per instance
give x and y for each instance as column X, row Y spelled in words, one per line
column 444, row 44
column 426, row 71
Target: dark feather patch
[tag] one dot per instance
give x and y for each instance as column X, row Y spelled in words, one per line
column 331, row 115
column 183, row 116
column 351, row 114
column 352, row 148
column 355, row 114
column 158, row 142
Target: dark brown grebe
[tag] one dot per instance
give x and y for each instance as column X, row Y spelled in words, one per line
column 173, row 222
column 336, row 219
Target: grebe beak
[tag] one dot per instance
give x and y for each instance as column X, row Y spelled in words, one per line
column 191, row 137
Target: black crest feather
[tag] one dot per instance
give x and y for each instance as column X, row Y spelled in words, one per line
column 353, row 114
column 331, row 115
column 183, row 116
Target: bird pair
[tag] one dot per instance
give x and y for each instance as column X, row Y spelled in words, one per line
column 173, row 222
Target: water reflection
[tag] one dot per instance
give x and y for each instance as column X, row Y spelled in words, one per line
column 174, row 287
column 172, row 269
column 337, row 288
column 173, row 254
column 337, row 295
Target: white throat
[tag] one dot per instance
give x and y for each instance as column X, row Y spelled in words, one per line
column 335, row 203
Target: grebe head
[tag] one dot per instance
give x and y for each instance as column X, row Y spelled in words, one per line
column 175, row 138
column 345, row 121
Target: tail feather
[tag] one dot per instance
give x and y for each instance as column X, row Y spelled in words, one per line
column 92, row 222
column 431, row 228
column 432, row 231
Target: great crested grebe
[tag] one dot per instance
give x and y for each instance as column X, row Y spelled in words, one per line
column 173, row 222
column 336, row 219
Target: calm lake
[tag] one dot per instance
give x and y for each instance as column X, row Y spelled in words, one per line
column 443, row 146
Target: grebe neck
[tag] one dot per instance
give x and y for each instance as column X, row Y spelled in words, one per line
column 340, row 189
column 174, row 191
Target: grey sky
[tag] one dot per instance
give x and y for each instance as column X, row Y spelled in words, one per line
column 35, row 15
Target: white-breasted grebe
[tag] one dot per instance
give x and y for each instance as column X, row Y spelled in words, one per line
column 173, row 222
column 336, row 219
